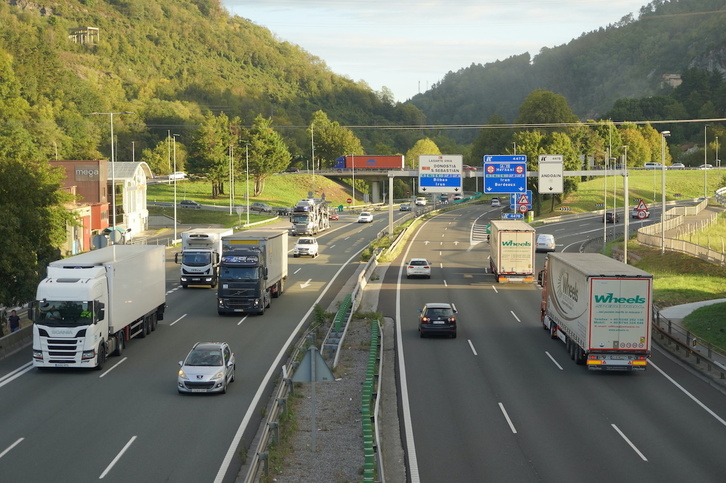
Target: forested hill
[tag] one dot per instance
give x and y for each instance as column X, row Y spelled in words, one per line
column 170, row 62
column 628, row 59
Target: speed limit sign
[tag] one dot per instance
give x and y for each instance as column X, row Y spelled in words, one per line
column 641, row 214
column 523, row 208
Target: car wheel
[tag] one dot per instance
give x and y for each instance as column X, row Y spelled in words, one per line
column 233, row 376
column 224, row 387
column 295, row 255
column 453, row 336
column 408, row 276
column 429, row 277
column 421, row 333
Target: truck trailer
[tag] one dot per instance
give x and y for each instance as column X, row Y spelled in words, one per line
column 512, row 251
column 252, row 271
column 600, row 308
column 370, row 162
column 201, row 251
column 90, row 304
column 310, row 216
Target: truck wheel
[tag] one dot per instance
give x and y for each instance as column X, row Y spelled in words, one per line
column 553, row 330
column 119, row 344
column 101, row 359
column 144, row 329
column 153, row 323
column 281, row 288
column 185, row 286
column 579, row 355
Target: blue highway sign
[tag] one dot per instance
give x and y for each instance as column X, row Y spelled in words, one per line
column 505, row 174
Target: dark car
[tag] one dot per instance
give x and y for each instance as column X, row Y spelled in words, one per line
column 261, row 207
column 189, row 204
column 292, row 169
column 611, row 217
column 437, row 318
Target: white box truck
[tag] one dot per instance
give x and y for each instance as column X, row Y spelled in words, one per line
column 90, row 304
column 252, row 271
column 201, row 251
column 600, row 308
column 511, row 244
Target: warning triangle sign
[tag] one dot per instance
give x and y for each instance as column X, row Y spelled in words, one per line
column 641, row 206
column 523, row 200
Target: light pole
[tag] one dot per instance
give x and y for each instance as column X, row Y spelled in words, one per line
column 247, row 181
column 113, row 169
column 605, row 204
column 626, row 203
column 663, row 135
column 173, row 138
column 718, row 161
column 705, row 161
column 231, row 179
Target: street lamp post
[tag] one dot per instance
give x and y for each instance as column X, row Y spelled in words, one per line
column 173, row 138
column 247, row 181
column 705, row 161
column 626, row 204
column 113, row 169
column 663, row 134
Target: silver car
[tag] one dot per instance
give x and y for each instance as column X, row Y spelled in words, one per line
column 209, row 367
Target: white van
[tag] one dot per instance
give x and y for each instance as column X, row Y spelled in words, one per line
column 652, row 166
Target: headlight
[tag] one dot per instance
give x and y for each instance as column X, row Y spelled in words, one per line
column 183, row 279
column 182, row 375
column 88, row 354
column 37, row 354
column 218, row 375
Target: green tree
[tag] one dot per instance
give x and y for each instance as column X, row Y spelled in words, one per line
column 545, row 107
column 331, row 140
column 210, row 152
column 268, row 153
column 492, row 139
column 423, row 146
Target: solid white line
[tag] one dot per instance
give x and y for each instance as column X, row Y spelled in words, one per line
column 11, row 376
column 177, row 320
column 642, row 456
column 232, row 449
column 118, row 457
column 114, row 367
column 553, row 360
column 472, row 347
column 719, row 419
column 506, row 416
column 515, row 315
column 242, row 319
column 9, row 448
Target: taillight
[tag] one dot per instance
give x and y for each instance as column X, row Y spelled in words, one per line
column 452, row 319
column 425, row 319
column 426, row 266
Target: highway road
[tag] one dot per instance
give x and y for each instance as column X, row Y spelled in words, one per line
column 503, row 401
column 128, row 423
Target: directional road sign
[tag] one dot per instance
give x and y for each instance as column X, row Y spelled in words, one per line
column 440, row 174
column 505, row 174
column 550, row 173
column 512, row 216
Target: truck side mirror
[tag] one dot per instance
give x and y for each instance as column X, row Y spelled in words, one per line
column 101, row 314
column 176, row 257
column 31, row 311
column 540, row 277
column 265, row 273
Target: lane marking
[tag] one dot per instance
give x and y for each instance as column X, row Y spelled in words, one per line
column 243, row 319
column 295, row 272
column 11, row 376
column 705, row 408
column 553, row 360
column 118, row 457
column 642, row 456
column 445, row 284
column 515, row 315
column 472, row 347
column 495, row 289
column 506, row 416
column 306, row 284
column 9, row 448
column 113, row 367
column 177, row 320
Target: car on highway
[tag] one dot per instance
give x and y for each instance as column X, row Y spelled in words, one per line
column 611, row 217
column 635, row 213
column 652, row 166
column 333, row 216
column 458, row 197
column 496, row 203
column 545, row 243
column 405, row 207
column 261, row 207
column 437, row 318
column 706, row 166
column 466, row 167
column 306, row 246
column 292, row 169
column 209, row 367
column 178, row 175
column 365, row 217
column 420, row 201
column 677, row 166
column 189, row 204
column 418, row 267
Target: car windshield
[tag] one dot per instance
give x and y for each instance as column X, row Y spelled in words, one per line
column 305, row 241
column 365, row 214
column 204, row 357
column 418, row 262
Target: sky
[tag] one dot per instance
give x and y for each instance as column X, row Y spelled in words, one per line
column 409, row 45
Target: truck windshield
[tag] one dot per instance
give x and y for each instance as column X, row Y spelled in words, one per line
column 63, row 314
column 239, row 273
column 192, row 259
column 300, row 218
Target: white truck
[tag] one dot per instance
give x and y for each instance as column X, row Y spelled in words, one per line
column 201, row 251
column 90, row 304
column 310, row 216
column 512, row 251
column 252, row 271
column 600, row 308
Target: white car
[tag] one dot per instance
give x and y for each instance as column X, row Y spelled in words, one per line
column 305, row 246
column 545, row 243
column 496, row 203
column 458, row 197
column 420, row 201
column 418, row 267
column 209, row 367
column 178, row 175
column 365, row 217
